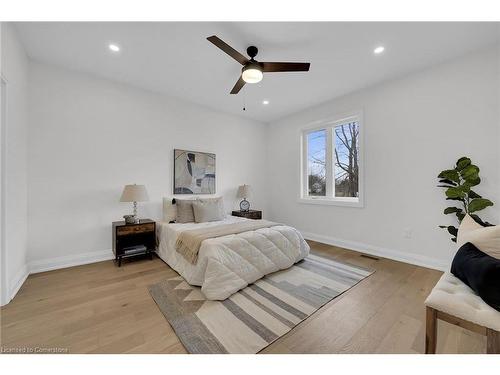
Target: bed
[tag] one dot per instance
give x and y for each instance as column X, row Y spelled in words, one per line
column 229, row 263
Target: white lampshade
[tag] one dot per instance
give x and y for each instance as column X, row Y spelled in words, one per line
column 244, row 191
column 134, row 193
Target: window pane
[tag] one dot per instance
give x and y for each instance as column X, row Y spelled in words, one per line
column 316, row 162
column 346, row 159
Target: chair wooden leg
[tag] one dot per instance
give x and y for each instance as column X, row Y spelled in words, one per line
column 430, row 331
column 492, row 341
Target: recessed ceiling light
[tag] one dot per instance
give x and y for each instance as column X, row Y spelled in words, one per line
column 265, row 102
column 114, row 47
column 378, row 50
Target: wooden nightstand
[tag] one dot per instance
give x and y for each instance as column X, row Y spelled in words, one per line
column 128, row 236
column 250, row 214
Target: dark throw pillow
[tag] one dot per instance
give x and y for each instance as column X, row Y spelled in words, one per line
column 480, row 272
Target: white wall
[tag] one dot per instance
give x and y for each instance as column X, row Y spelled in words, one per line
column 14, row 188
column 415, row 127
column 88, row 137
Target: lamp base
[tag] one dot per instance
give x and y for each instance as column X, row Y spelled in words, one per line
column 131, row 219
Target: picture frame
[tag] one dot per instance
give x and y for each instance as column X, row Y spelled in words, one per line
column 194, row 172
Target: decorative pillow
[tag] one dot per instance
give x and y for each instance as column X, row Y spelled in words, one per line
column 479, row 271
column 208, row 210
column 169, row 210
column 219, row 201
column 185, row 212
column 486, row 239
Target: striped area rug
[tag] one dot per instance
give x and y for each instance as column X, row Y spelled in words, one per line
column 254, row 317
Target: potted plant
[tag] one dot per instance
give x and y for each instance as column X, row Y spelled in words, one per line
column 459, row 182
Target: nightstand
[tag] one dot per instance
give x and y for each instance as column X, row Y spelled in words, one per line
column 131, row 240
column 250, row 214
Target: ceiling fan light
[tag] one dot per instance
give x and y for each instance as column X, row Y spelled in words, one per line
column 252, row 74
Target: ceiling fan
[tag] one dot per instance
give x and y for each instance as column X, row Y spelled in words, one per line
column 252, row 71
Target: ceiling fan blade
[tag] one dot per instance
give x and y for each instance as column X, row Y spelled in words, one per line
column 237, row 87
column 284, row 67
column 228, row 49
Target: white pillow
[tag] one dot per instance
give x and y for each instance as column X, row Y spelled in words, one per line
column 220, row 203
column 486, row 239
column 208, row 210
column 169, row 210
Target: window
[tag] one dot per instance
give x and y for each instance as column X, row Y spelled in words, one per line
column 332, row 163
column 316, row 163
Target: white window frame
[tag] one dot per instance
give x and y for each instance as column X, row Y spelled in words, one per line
column 329, row 124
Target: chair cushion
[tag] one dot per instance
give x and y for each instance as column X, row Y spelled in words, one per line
column 452, row 296
column 480, row 272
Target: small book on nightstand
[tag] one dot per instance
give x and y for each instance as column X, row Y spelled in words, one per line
column 134, row 249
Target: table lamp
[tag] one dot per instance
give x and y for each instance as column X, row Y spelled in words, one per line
column 134, row 193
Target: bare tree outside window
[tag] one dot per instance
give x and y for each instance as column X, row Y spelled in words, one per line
column 316, row 162
column 346, row 160
column 343, row 157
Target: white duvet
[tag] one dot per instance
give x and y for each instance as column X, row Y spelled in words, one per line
column 228, row 264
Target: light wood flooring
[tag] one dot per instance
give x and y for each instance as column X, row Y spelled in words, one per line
column 100, row 308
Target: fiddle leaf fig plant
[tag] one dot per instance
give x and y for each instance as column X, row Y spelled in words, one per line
column 459, row 182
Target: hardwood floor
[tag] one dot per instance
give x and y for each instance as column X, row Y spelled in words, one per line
column 100, row 308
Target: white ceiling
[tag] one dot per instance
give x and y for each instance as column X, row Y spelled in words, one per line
column 176, row 59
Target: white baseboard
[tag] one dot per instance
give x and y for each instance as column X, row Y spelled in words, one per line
column 17, row 281
column 69, row 261
column 412, row 258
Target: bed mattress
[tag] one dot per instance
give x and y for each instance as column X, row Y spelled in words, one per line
column 229, row 263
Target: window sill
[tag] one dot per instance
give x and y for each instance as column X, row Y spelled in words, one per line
column 346, row 202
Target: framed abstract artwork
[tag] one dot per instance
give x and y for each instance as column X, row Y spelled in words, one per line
column 194, row 172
